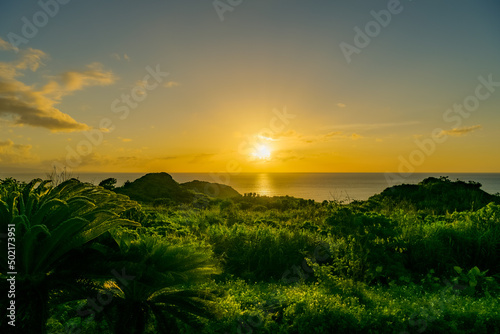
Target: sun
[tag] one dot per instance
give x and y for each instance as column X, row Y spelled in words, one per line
column 262, row 152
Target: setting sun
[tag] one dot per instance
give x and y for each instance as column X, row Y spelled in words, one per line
column 262, row 152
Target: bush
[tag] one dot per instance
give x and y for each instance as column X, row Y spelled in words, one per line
column 260, row 252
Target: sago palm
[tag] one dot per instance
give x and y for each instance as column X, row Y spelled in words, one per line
column 162, row 289
column 51, row 223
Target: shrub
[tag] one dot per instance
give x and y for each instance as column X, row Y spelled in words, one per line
column 260, row 252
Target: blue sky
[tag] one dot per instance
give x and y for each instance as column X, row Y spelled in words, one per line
column 227, row 77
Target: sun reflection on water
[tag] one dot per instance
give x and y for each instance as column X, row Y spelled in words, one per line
column 263, row 184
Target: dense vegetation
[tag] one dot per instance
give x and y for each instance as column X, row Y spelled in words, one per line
column 413, row 259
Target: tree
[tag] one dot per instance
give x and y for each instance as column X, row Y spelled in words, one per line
column 108, row 183
column 51, row 225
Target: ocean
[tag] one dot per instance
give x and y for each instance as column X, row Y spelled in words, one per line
column 316, row 186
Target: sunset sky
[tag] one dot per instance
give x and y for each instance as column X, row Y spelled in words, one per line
column 256, row 86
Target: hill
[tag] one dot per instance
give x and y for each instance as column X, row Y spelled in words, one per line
column 215, row 190
column 439, row 195
column 155, row 186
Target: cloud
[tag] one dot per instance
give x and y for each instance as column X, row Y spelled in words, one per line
column 341, row 105
column 171, row 84
column 11, row 153
column 125, row 140
column 323, row 138
column 31, row 59
column 22, row 113
column 142, row 84
column 370, row 126
column 286, row 155
column 94, row 75
column 119, row 58
column 293, row 136
column 458, row 132
column 27, row 59
column 168, row 157
column 200, row 158
column 27, row 105
column 355, row 136
column 4, row 45
column 278, row 135
column 127, row 159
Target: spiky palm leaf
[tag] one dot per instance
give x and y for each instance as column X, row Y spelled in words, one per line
column 162, row 286
column 50, row 223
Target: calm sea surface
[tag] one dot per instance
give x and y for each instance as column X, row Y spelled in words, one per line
column 317, row 186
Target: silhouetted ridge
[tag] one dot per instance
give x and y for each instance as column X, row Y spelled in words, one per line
column 440, row 195
column 152, row 186
column 155, row 186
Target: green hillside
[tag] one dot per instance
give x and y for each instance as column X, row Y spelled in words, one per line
column 153, row 186
column 162, row 187
column 215, row 190
column 439, row 195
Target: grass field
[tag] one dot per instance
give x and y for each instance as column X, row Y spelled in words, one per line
column 89, row 260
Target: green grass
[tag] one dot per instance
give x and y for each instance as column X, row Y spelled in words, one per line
column 287, row 265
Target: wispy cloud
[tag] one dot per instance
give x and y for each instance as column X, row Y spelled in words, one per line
column 341, row 105
column 25, row 105
column 11, row 153
column 27, row 59
column 118, row 57
column 199, row 158
column 355, row 136
column 458, row 132
column 4, row 45
column 322, row 138
column 292, row 135
column 286, row 155
column 171, row 84
column 93, row 75
column 370, row 126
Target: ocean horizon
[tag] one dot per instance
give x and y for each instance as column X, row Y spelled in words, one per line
column 316, row 186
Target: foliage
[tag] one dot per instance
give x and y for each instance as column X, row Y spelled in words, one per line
column 51, row 223
column 108, row 183
column 153, row 186
column 435, row 195
column 475, row 282
column 160, row 288
column 259, row 252
column 414, row 259
column 215, row 190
